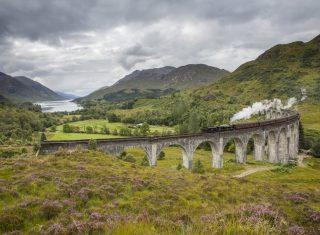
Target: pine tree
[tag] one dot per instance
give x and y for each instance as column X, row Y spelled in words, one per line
column 302, row 143
column 198, row 167
column 161, row 155
column 43, row 137
column 194, row 123
column 145, row 161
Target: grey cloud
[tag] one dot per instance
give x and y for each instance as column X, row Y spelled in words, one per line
column 66, row 43
column 133, row 55
column 49, row 20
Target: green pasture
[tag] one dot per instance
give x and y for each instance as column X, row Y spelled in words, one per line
column 97, row 125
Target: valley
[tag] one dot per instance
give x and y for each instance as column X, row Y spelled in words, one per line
column 100, row 128
column 236, row 179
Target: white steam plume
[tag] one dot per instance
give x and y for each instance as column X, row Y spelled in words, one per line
column 265, row 105
column 262, row 107
column 304, row 93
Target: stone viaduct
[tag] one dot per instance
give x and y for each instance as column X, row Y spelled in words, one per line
column 275, row 140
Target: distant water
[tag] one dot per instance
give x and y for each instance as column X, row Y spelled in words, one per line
column 58, row 106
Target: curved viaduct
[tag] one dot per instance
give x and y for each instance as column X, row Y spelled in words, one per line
column 275, row 140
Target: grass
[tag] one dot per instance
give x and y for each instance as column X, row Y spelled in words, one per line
column 90, row 192
column 310, row 116
column 59, row 135
column 97, row 125
column 100, row 123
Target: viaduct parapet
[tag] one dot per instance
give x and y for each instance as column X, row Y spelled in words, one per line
column 275, row 140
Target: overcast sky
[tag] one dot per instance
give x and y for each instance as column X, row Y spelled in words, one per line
column 78, row 46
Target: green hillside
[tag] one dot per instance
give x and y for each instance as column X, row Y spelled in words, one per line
column 22, row 89
column 281, row 72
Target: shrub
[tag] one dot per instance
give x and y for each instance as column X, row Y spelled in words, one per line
column 315, row 216
column 6, row 153
column 36, row 147
column 50, row 209
column 122, row 155
column 129, row 158
column 66, row 128
column 302, row 142
column 145, row 161
column 198, row 167
column 113, row 117
column 43, row 137
column 53, row 128
column 179, row 167
column 296, row 230
column 92, row 145
column 144, row 128
column 89, row 130
column 115, row 132
column 161, row 155
column 24, row 150
column 10, row 221
column 285, row 168
column 136, row 132
column 231, row 148
column 106, row 130
column 56, row 228
column 125, row 131
column 316, row 149
column 297, row 197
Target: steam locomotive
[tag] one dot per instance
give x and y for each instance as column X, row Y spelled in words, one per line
column 248, row 125
column 218, row 128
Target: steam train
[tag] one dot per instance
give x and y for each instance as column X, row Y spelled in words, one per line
column 249, row 124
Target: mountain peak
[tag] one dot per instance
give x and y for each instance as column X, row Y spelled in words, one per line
column 316, row 39
column 146, row 74
column 159, row 81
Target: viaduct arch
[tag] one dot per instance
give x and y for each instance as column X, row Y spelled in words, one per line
column 275, row 140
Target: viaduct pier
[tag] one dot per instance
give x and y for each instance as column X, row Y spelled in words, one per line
column 275, row 140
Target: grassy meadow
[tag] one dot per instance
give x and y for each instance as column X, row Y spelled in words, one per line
column 97, row 125
column 310, row 116
column 94, row 193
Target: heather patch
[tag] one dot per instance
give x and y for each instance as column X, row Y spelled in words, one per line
column 93, row 193
column 297, row 197
column 50, row 209
column 296, row 230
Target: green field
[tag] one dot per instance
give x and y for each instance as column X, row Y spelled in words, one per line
column 94, row 193
column 97, row 125
column 59, row 135
column 310, row 116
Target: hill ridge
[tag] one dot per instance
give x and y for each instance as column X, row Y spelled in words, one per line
column 22, row 89
column 155, row 82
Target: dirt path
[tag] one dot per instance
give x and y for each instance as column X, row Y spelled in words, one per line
column 265, row 168
column 254, row 170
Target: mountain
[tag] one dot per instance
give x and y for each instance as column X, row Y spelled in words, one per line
column 151, row 83
column 192, row 76
column 4, row 100
column 66, row 95
column 22, row 89
column 282, row 71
